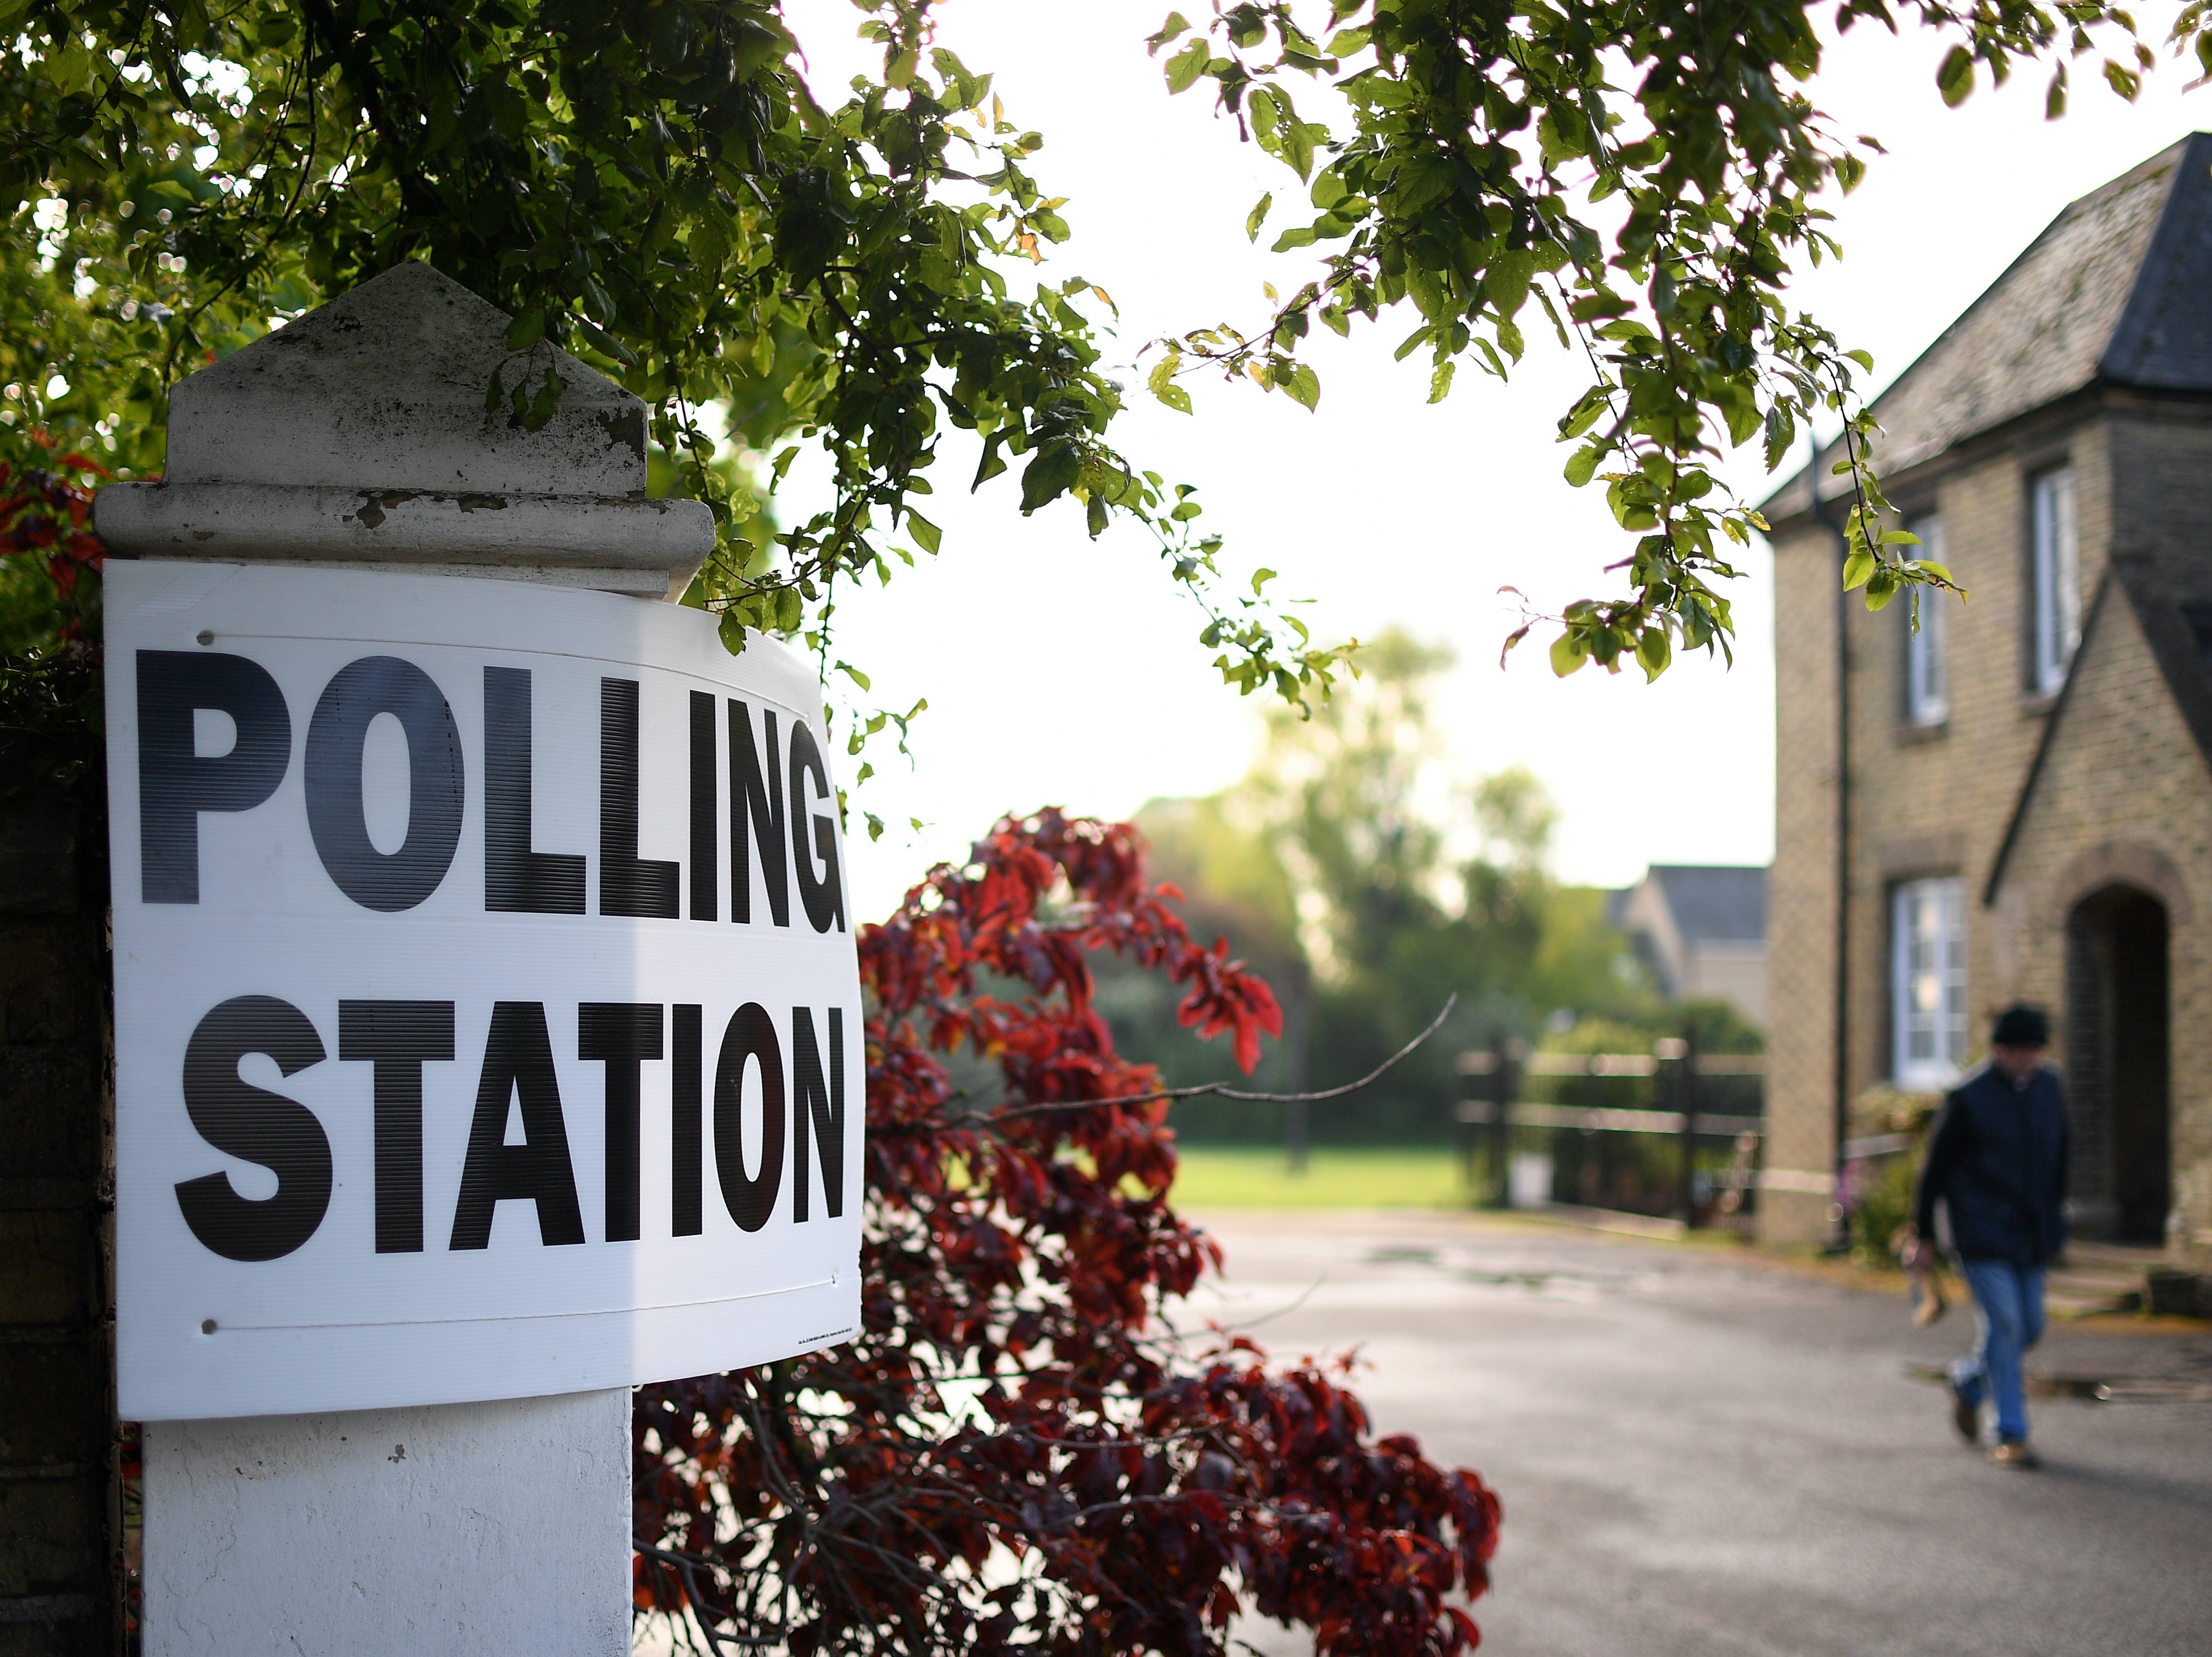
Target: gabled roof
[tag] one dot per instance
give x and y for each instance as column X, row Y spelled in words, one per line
column 2113, row 292
column 2177, row 625
column 1713, row 904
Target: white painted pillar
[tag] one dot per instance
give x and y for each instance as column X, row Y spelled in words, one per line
column 358, row 436
column 465, row 1528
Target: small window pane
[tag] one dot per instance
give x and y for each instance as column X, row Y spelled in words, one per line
column 1928, row 981
column 2057, row 587
column 1927, row 686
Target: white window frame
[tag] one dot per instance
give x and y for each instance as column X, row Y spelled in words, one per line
column 2055, row 584
column 1927, row 679
column 1928, row 981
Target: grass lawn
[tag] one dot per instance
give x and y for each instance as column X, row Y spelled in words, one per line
column 1255, row 1176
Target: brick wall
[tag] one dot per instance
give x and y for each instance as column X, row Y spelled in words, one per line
column 2125, row 795
column 59, row 1519
column 1923, row 801
column 1937, row 802
column 1932, row 802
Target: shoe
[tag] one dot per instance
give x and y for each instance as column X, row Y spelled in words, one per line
column 1967, row 1417
column 2013, row 1453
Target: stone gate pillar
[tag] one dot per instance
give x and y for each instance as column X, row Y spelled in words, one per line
column 360, row 436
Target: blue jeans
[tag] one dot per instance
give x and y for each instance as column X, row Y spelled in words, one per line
column 2009, row 1315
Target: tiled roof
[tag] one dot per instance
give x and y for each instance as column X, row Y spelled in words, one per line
column 2114, row 291
column 1714, row 904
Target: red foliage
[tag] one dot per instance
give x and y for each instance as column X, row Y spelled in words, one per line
column 48, row 514
column 1019, row 1452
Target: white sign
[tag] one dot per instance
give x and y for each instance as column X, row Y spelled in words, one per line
column 487, row 1014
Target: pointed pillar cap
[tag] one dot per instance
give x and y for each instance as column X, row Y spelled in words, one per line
column 368, row 432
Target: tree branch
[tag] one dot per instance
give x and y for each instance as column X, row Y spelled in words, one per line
column 1221, row 1089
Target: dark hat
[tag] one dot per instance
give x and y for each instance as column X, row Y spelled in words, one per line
column 2020, row 1026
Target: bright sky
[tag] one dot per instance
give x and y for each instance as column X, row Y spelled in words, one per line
column 1063, row 671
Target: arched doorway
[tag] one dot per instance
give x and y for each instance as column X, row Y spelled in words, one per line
column 2117, row 1034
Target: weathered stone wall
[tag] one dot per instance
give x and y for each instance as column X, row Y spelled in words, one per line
column 59, row 1519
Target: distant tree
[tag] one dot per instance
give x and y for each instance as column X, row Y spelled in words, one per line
column 1345, row 789
column 1402, row 891
column 1577, row 963
column 1234, row 887
column 1584, row 965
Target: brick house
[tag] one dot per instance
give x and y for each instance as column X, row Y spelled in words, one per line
column 2015, row 802
column 1701, row 928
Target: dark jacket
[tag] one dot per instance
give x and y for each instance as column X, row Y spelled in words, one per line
column 1997, row 1158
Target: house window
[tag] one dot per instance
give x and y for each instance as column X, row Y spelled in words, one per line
column 1928, row 981
column 2056, row 579
column 1927, row 689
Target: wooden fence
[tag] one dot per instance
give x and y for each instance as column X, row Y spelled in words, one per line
column 1726, row 1194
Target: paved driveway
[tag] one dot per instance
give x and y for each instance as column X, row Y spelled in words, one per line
column 1702, row 1455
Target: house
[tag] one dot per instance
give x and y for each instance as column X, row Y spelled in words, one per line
column 2014, row 802
column 1701, row 930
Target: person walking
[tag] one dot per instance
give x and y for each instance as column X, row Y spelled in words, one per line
column 1996, row 1160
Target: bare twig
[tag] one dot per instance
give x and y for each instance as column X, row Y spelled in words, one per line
column 686, row 1568
column 1284, row 1311
column 1219, row 1090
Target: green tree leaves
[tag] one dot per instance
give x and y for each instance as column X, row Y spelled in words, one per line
column 1186, row 65
column 1466, row 175
column 1955, row 78
column 656, row 188
column 1335, row 848
column 1161, row 383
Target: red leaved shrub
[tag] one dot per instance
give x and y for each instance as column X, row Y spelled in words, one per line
column 1019, row 1452
column 48, row 514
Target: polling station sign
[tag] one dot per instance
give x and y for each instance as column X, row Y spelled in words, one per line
column 486, row 1013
